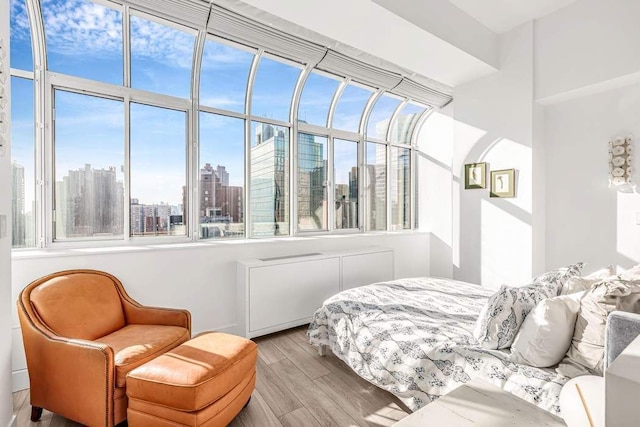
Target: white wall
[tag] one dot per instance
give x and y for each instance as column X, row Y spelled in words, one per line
column 586, row 45
column 585, row 219
column 199, row 277
column 493, row 237
column 435, row 189
column 6, row 406
column 587, row 75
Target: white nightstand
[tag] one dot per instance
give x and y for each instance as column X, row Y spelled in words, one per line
column 480, row 404
column 572, row 407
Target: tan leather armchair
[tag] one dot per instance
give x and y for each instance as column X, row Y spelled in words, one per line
column 82, row 335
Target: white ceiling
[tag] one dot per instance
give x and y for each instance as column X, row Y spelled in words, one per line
column 503, row 15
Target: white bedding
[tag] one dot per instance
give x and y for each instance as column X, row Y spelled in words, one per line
column 413, row 337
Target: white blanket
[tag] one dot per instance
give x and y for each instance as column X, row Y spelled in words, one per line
column 413, row 337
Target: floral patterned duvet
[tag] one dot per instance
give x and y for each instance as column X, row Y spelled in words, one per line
column 414, row 338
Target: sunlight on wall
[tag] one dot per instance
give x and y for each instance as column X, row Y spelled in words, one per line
column 507, row 154
column 627, row 231
column 436, row 137
column 505, row 247
column 466, row 137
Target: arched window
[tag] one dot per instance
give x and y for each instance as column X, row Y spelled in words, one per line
column 84, row 39
column 317, row 95
column 273, row 89
column 161, row 56
column 348, row 112
column 265, row 144
column 224, row 75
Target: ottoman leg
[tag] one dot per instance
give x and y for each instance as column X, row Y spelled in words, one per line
column 247, row 404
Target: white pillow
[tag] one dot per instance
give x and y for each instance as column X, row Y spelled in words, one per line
column 578, row 284
column 503, row 314
column 545, row 335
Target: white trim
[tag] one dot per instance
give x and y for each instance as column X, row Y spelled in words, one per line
column 19, row 380
column 17, row 72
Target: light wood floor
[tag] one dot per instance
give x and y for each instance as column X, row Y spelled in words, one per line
column 295, row 387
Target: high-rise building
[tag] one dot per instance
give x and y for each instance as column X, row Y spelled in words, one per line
column 403, row 127
column 89, row 202
column 270, row 182
column 220, row 203
column 311, row 191
column 17, row 206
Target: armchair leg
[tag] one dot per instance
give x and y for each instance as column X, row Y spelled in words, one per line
column 36, row 413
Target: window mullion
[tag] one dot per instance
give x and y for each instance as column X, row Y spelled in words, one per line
column 293, row 151
column 331, row 193
column 191, row 209
column 127, row 168
column 126, row 45
column 43, row 203
column 248, row 223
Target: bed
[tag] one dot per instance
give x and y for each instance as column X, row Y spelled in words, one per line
column 414, row 338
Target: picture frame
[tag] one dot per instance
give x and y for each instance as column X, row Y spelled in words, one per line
column 503, row 183
column 475, row 175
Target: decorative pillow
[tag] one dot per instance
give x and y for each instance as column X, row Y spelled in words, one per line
column 586, row 353
column 504, row 312
column 577, row 283
column 556, row 278
column 546, row 332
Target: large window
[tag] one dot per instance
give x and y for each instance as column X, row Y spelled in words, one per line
column 224, row 75
column 404, row 123
column 161, row 57
column 316, row 99
column 22, row 164
column 84, row 39
column 400, row 188
column 158, row 171
column 312, row 182
column 110, row 140
column 376, row 187
column 345, row 171
column 381, row 116
column 273, row 89
column 348, row 112
column 89, row 160
column 269, row 180
column 221, row 176
column 21, row 55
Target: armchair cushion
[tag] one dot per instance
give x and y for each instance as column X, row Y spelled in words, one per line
column 82, row 305
column 134, row 345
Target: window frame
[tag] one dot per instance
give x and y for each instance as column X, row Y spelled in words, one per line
column 46, row 82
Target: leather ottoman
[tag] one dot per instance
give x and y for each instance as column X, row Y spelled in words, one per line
column 204, row 382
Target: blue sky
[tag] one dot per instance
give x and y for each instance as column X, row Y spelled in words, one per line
column 84, row 39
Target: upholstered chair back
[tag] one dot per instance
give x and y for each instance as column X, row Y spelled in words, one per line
column 81, row 305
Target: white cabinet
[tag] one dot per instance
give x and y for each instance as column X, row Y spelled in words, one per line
column 283, row 292
column 367, row 268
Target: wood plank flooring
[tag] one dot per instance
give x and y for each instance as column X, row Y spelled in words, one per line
column 295, row 387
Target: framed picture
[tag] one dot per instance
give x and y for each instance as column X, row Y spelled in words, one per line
column 475, row 175
column 503, row 183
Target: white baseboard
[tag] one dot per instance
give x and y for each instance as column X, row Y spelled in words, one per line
column 14, row 422
column 19, row 380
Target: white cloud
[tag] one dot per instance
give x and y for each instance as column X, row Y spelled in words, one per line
column 217, row 55
column 76, row 27
column 158, row 42
column 19, row 20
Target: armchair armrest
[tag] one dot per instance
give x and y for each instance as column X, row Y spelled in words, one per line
column 81, row 372
column 138, row 314
column 622, row 329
